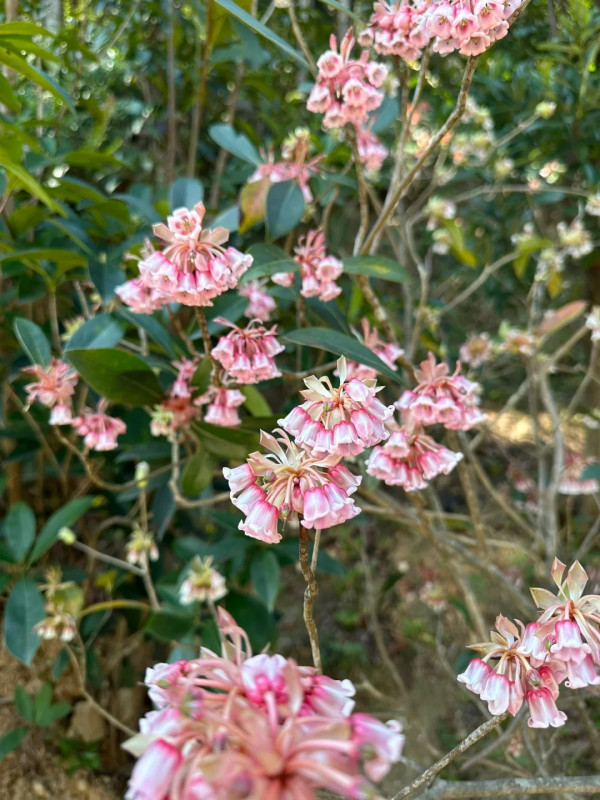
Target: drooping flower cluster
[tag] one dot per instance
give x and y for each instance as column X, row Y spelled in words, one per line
column 141, row 547
column 572, row 481
column 343, row 421
column 534, row 659
column 405, row 27
column 476, row 350
column 269, row 488
column 371, row 151
column 194, row 267
column 141, row 298
column 202, row 583
column 388, row 352
column 260, row 303
column 294, row 166
column 410, row 460
column 54, row 389
column 178, row 409
column 244, row 726
column 247, row 354
column 346, row 88
column 439, row 397
column 222, row 405
column 99, row 429
column 318, row 271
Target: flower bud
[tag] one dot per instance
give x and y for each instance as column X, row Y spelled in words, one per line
column 66, row 535
column 142, row 471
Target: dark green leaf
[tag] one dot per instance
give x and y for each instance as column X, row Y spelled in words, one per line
column 33, row 341
column 268, row 259
column 24, row 609
column 262, row 30
column 106, row 275
column 251, row 615
column 117, row 375
column 36, row 75
column 341, row 345
column 64, row 517
column 156, row 332
column 11, row 740
column 19, row 530
column 235, row 143
column 185, row 193
column 284, row 208
column 168, row 627
column 376, row 267
column 256, row 402
column 53, row 712
column 342, row 8
column 265, row 572
column 24, row 704
column 100, row 331
column 197, row 473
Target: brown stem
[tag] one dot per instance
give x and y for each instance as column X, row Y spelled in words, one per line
column 171, row 102
column 310, row 594
column 198, row 109
column 430, row 773
column 516, row 787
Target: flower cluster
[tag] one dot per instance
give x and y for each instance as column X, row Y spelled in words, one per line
column 54, row 389
column 247, row 353
column 141, row 547
column 410, row 460
column 318, row 271
column 238, row 725
column 99, row 429
column 178, row 409
column 260, row 303
column 202, row 583
column 405, row 27
column 592, row 323
column 346, row 88
column 451, row 400
column 534, row 659
column 269, row 488
column 476, row 350
column 371, row 151
column 294, row 166
column 193, row 268
column 222, row 405
column 341, row 422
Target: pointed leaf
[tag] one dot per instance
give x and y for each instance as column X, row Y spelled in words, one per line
column 11, row 740
column 19, row 530
column 64, row 517
column 235, row 143
column 341, row 345
column 262, row 30
column 185, row 193
column 100, row 331
column 386, row 269
column 284, row 208
column 24, row 609
column 268, row 259
column 253, row 198
column 33, row 341
column 119, row 376
column 265, row 573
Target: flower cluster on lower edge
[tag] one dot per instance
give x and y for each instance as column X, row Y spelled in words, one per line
column 531, row 661
column 241, row 727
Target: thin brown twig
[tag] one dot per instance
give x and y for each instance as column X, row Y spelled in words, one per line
column 310, row 595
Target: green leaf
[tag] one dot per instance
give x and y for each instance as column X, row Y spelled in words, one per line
column 23, row 178
column 262, row 30
column 11, row 740
column 235, row 143
column 33, row 341
column 386, row 269
column 117, row 375
column 341, row 7
column 19, row 530
column 24, row 609
column 198, row 473
column 64, row 517
column 265, row 573
column 251, row 615
column 100, row 331
column 268, row 259
column 156, row 332
column 7, row 95
column 168, row 627
column 256, row 402
column 185, row 193
column 591, row 472
column 66, row 259
column 106, row 275
column 24, row 704
column 56, row 711
column 284, row 208
column 341, row 345
column 36, row 75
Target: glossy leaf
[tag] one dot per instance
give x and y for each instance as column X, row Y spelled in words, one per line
column 197, row 473
column 100, row 331
column 33, row 341
column 253, row 198
column 341, row 345
column 386, row 269
column 284, row 208
column 185, row 193
column 256, row 403
column 24, row 609
column 35, row 75
column 19, row 530
column 119, row 376
column 235, row 143
column 22, row 178
column 262, row 30
column 268, row 259
column 64, row 517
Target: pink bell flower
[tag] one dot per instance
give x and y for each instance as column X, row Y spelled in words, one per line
column 543, row 709
column 247, row 354
column 99, row 430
